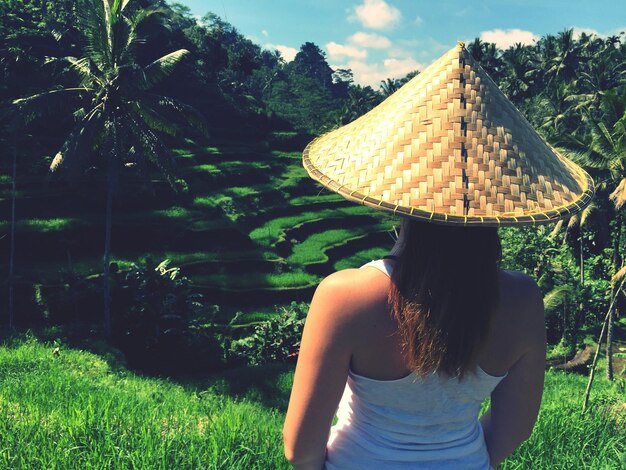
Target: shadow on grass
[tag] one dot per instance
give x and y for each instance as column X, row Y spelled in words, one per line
column 269, row 384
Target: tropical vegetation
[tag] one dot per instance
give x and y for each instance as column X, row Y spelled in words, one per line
column 191, row 134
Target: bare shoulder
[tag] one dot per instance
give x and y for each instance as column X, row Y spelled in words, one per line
column 522, row 305
column 518, row 283
column 351, row 293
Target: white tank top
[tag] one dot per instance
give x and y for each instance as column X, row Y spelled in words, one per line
column 412, row 422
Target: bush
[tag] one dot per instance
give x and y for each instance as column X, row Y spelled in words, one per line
column 160, row 324
column 274, row 340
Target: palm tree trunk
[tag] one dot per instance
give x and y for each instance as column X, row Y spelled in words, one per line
column 110, row 187
column 592, row 369
column 12, row 249
column 107, row 264
column 614, row 293
column 609, row 347
column 579, row 319
column 582, row 256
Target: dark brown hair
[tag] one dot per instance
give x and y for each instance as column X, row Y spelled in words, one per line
column 443, row 295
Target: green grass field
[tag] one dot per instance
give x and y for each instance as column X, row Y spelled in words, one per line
column 74, row 411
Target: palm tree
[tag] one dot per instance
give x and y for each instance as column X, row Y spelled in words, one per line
column 577, row 221
column 567, row 58
column 477, row 49
column 487, row 55
column 603, row 151
column 603, row 70
column 389, row 86
column 360, row 101
column 516, row 71
column 118, row 116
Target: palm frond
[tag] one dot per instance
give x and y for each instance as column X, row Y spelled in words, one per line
column 26, row 110
column 573, row 222
column 586, row 212
column 556, row 297
column 162, row 67
column 619, row 275
column 140, row 24
column 115, row 7
column 83, row 67
column 152, row 148
column 121, row 36
column 72, row 156
column 155, row 120
column 556, row 230
column 604, row 135
column 585, row 155
column 618, row 196
column 178, row 111
column 94, row 26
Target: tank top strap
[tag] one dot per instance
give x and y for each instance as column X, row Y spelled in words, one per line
column 384, row 265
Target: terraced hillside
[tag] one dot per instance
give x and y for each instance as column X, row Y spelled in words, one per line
column 252, row 230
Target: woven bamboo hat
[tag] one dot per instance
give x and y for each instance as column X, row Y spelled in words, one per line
column 449, row 147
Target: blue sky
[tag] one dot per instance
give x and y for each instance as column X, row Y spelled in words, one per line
column 389, row 38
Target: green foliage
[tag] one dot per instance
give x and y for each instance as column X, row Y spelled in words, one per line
column 289, row 98
column 560, row 429
column 160, row 323
column 43, row 225
column 563, row 349
column 273, row 340
column 115, row 419
column 274, row 230
column 313, row 249
column 571, row 88
column 360, row 258
column 229, row 421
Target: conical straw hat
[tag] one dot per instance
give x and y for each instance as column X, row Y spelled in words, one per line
column 449, row 147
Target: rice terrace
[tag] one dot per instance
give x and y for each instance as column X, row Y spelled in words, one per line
column 161, row 241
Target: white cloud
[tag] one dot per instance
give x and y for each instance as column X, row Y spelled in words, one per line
column 373, row 74
column 374, row 41
column 507, row 38
column 336, row 51
column 265, row 33
column 419, row 21
column 424, row 49
column 376, row 14
column 400, row 53
column 397, row 68
column 579, row 30
column 287, row 53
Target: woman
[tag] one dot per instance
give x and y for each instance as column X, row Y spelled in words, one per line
column 356, row 328
column 405, row 349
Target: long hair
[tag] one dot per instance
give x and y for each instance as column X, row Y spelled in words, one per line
column 443, row 295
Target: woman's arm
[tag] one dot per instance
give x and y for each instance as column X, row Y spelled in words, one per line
column 515, row 401
column 321, row 372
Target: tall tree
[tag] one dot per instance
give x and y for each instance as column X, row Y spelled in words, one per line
column 516, row 72
column 389, row 86
column 603, row 150
column 360, row 101
column 311, row 62
column 118, row 115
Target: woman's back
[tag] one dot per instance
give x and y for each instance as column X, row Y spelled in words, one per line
column 350, row 329
column 412, row 422
column 378, row 349
column 388, row 416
